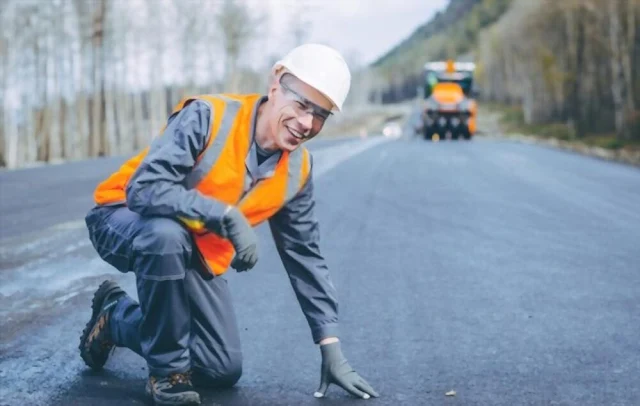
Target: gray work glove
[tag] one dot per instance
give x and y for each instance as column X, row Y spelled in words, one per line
column 336, row 370
column 239, row 232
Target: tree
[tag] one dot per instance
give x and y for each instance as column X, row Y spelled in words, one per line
column 85, row 78
column 547, row 57
column 237, row 27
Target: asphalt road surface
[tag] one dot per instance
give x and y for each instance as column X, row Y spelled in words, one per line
column 505, row 272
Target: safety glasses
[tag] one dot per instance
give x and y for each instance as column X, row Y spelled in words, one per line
column 303, row 106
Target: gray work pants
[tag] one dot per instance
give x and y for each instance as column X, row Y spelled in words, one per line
column 185, row 320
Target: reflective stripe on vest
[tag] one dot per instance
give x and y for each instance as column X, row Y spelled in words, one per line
column 216, row 145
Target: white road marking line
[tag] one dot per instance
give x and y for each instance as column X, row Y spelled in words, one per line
column 329, row 158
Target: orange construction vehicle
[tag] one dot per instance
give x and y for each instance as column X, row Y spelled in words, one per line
column 449, row 109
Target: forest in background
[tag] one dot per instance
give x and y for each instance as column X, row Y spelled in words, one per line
column 575, row 62
column 88, row 78
column 571, row 64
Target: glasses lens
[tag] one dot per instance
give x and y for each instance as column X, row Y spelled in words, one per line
column 305, row 106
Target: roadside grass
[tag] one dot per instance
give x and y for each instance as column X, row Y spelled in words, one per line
column 512, row 122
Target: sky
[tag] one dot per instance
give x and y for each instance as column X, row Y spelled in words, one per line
column 368, row 27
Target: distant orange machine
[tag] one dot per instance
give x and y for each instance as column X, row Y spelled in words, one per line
column 449, row 107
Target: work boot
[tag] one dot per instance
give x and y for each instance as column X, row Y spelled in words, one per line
column 175, row 389
column 96, row 342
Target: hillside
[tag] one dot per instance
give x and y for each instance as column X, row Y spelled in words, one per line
column 451, row 33
column 570, row 66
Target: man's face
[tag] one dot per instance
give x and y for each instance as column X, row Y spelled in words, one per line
column 299, row 112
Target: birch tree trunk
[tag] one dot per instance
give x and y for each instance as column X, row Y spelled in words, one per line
column 237, row 29
column 4, row 72
column 138, row 112
column 108, row 80
column 97, row 137
column 575, row 39
column 84, row 139
column 628, row 51
column 618, row 89
column 10, row 130
column 54, row 144
column 123, row 105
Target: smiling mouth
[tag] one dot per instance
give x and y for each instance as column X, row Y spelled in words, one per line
column 295, row 134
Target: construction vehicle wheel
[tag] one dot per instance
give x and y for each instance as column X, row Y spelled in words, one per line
column 427, row 133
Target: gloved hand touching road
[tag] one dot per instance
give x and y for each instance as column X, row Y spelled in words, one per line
column 336, row 370
column 239, row 232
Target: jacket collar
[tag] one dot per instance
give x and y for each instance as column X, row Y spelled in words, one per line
column 267, row 168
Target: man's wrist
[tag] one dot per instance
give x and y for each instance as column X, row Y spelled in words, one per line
column 328, row 340
column 321, row 331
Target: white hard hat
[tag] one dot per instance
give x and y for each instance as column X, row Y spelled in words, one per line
column 322, row 68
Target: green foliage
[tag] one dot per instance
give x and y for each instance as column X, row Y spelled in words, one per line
column 449, row 34
column 512, row 120
column 605, row 141
column 512, row 117
column 559, row 131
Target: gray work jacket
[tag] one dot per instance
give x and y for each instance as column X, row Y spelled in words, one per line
column 156, row 188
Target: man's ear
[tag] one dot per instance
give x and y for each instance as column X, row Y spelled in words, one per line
column 273, row 80
column 273, row 85
column 271, row 92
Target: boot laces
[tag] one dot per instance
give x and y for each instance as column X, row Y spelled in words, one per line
column 180, row 378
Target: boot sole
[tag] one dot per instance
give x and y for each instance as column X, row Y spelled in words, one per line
column 103, row 292
column 187, row 398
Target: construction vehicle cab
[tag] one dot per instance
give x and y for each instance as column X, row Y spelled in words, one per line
column 449, row 109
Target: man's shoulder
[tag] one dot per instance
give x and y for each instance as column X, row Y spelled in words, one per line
column 239, row 97
column 193, row 105
column 218, row 102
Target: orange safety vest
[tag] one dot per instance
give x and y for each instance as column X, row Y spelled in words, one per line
column 220, row 173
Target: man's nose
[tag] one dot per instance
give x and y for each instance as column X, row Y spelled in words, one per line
column 306, row 121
